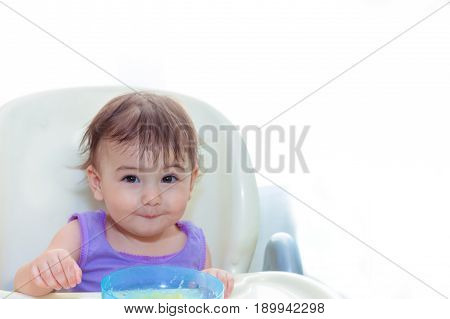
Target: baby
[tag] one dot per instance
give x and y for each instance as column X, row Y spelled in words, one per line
column 142, row 164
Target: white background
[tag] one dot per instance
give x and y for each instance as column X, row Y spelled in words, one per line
column 378, row 147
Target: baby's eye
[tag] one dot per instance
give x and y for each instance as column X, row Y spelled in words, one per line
column 130, row 178
column 170, row 179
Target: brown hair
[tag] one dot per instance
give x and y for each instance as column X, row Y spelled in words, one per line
column 156, row 123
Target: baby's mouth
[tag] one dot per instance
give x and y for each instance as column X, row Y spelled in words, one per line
column 149, row 216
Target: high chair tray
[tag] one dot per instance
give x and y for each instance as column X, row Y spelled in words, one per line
column 267, row 284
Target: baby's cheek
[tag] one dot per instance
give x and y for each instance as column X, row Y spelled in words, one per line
column 178, row 204
column 175, row 198
column 123, row 203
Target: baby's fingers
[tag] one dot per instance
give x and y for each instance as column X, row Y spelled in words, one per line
column 58, row 271
column 228, row 282
column 229, row 286
column 78, row 273
column 38, row 280
column 223, row 277
column 47, row 276
column 71, row 270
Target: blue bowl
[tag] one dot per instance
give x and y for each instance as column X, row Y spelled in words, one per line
column 160, row 282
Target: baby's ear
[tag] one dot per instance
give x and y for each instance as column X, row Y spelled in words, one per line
column 194, row 176
column 94, row 182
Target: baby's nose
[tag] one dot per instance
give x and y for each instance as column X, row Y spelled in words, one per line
column 151, row 196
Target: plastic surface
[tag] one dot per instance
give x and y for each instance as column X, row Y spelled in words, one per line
column 269, row 284
column 161, row 282
column 41, row 132
column 276, row 215
column 282, row 254
column 280, row 285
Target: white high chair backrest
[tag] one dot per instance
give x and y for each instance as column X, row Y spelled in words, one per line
column 39, row 138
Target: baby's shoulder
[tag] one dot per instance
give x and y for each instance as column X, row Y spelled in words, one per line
column 188, row 225
column 193, row 231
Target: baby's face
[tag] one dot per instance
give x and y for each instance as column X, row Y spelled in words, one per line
column 143, row 197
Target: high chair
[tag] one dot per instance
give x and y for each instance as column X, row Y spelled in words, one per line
column 40, row 189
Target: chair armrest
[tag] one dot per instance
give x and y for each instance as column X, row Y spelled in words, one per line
column 276, row 216
column 282, row 254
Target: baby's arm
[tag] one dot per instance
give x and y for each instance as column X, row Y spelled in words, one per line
column 208, row 258
column 222, row 275
column 61, row 255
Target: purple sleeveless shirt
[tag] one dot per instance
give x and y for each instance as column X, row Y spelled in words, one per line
column 98, row 258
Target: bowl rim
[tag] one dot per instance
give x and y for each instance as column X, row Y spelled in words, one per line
column 108, row 291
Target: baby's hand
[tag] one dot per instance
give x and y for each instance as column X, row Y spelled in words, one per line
column 223, row 276
column 55, row 269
